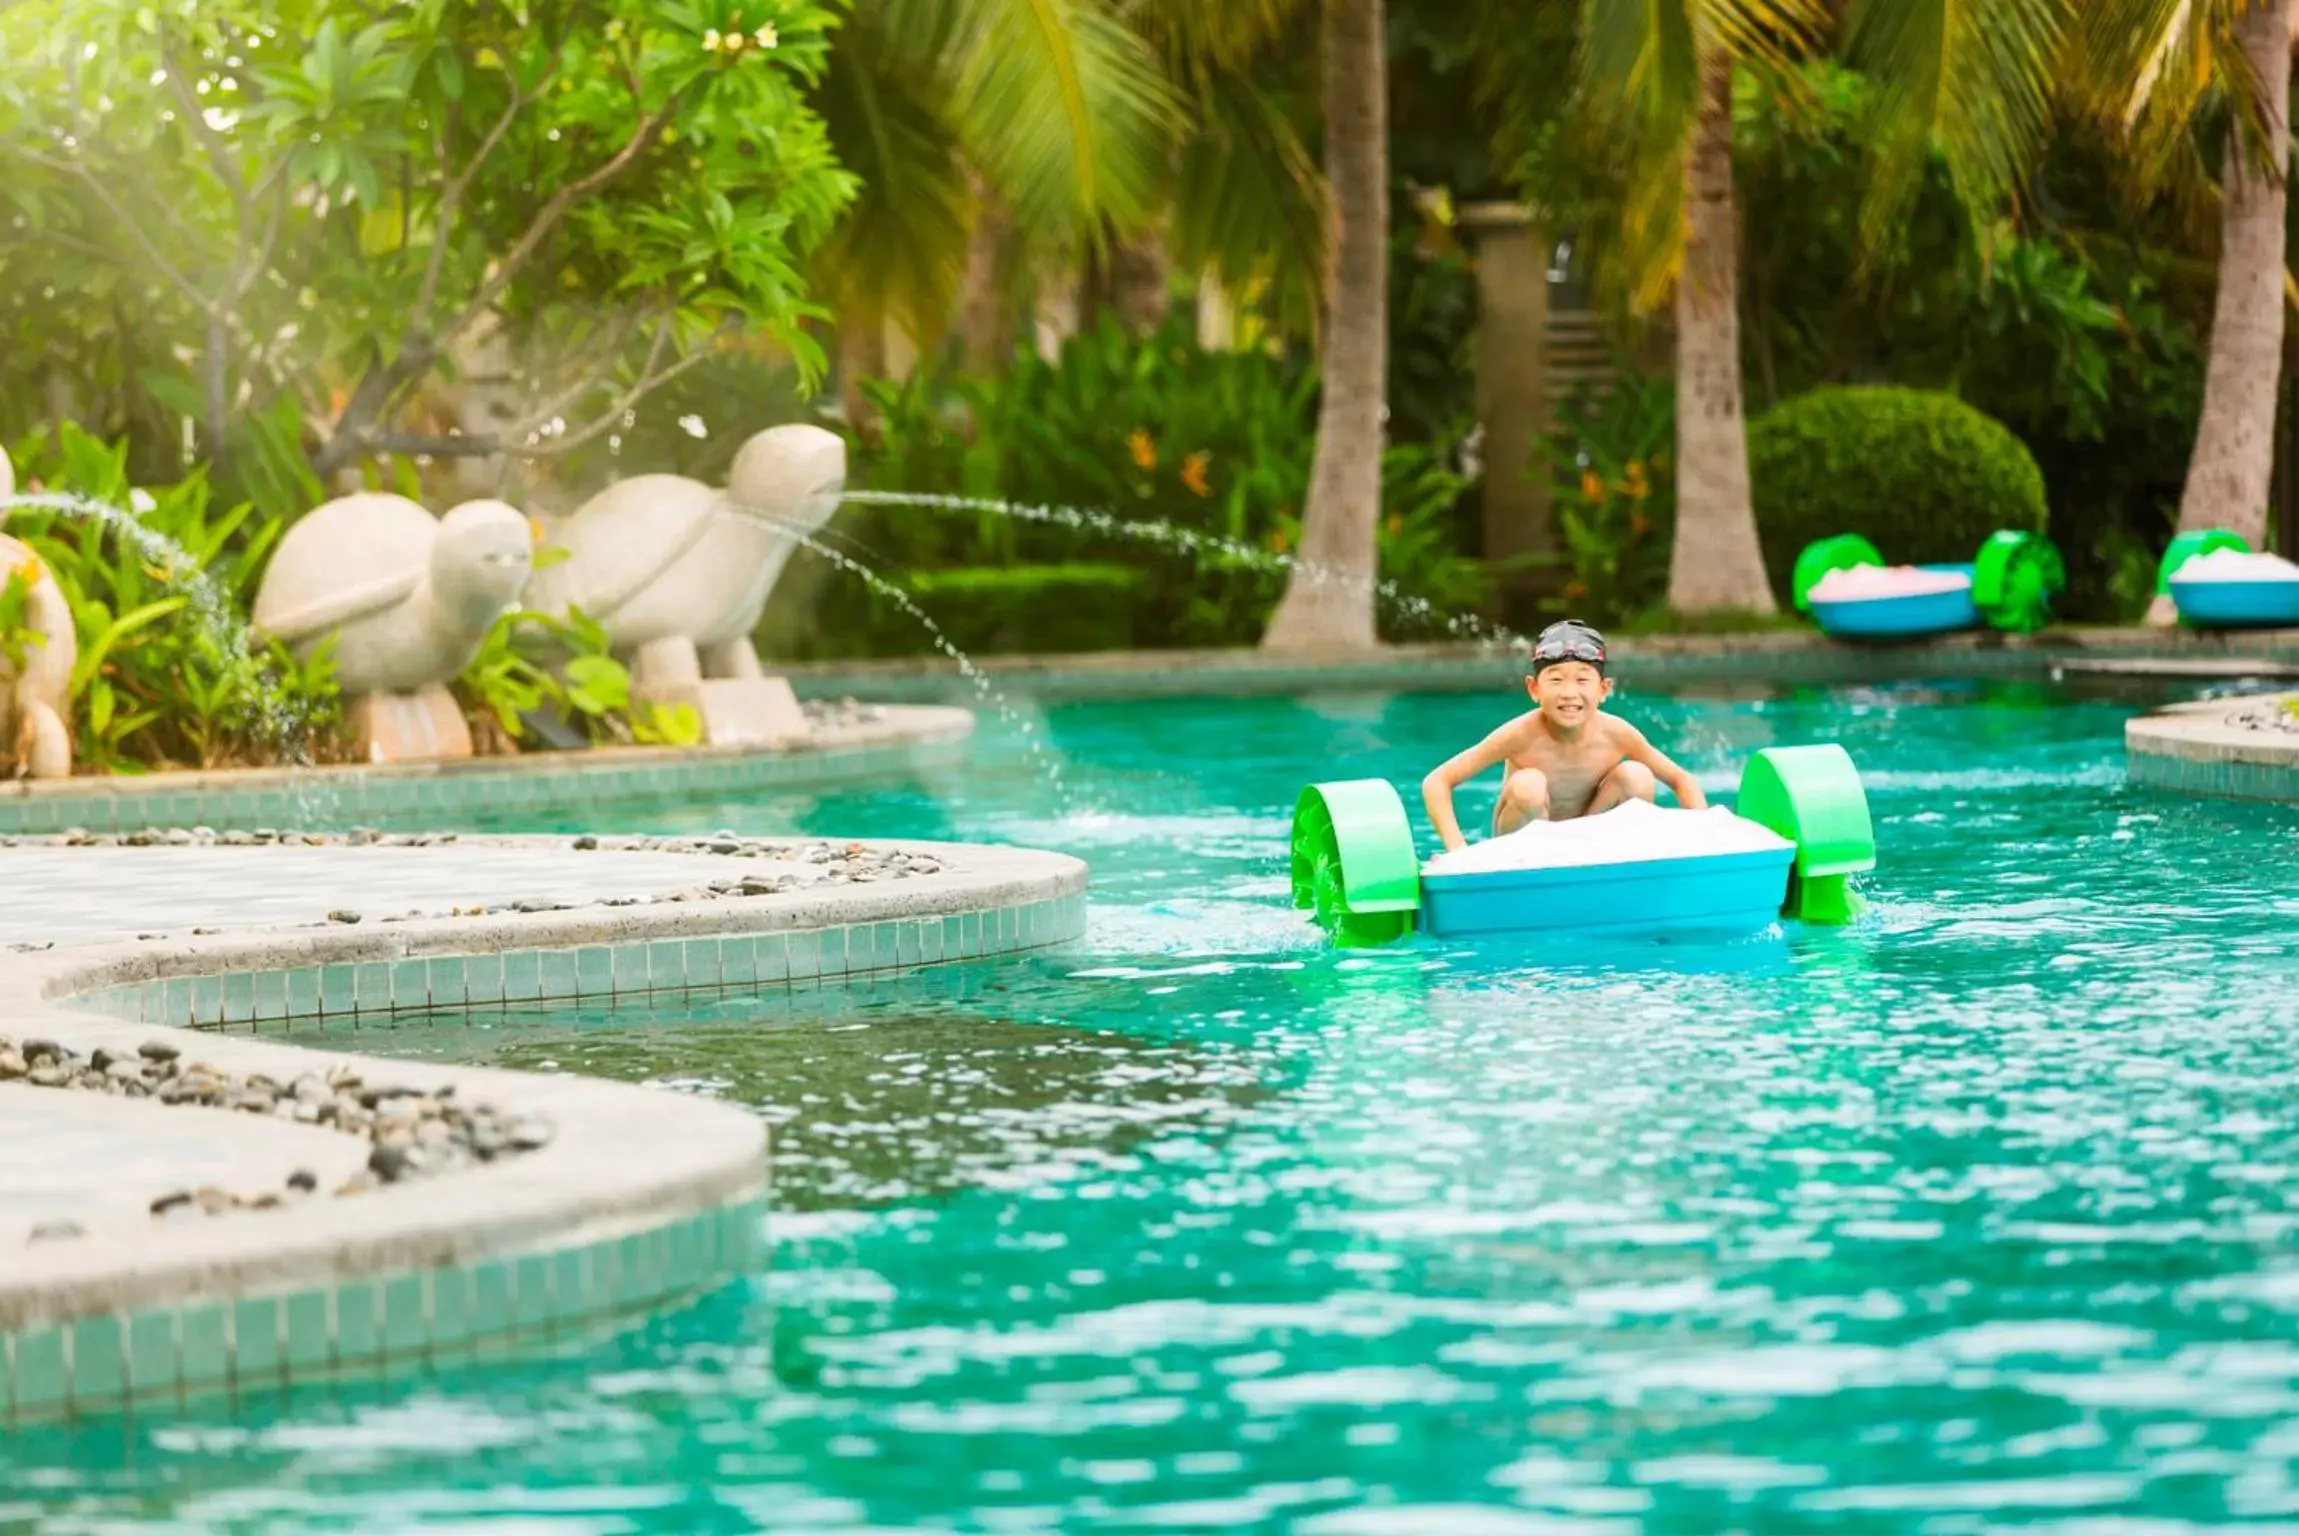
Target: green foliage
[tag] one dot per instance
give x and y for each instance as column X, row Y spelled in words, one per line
column 1922, row 475
column 228, row 207
column 1045, row 609
column 166, row 675
column 18, row 638
column 535, row 663
column 1613, row 486
column 1211, row 448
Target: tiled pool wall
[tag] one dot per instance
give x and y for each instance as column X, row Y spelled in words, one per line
column 1780, row 657
column 168, row 1357
column 428, row 793
column 591, row 972
column 165, row 1357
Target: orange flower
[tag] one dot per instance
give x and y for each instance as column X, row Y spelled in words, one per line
column 1639, row 525
column 1145, row 451
column 1193, row 473
column 1278, row 541
column 1576, row 589
column 1396, row 525
column 1592, row 486
column 1635, row 486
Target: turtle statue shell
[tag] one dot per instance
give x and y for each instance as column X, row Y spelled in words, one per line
column 407, row 597
column 342, row 562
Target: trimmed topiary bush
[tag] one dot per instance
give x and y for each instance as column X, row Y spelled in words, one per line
column 1922, row 475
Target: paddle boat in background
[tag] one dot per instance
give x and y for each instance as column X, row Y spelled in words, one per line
column 2216, row 582
column 1852, row 594
column 1800, row 831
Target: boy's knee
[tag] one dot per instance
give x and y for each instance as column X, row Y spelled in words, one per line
column 1634, row 781
column 1527, row 789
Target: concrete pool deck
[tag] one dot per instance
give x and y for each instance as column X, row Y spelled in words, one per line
column 2207, row 748
column 636, row 1198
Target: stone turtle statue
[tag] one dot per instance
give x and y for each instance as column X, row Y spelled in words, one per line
column 678, row 573
column 407, row 598
column 35, row 698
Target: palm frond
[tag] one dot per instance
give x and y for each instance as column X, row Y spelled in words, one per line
column 1066, row 112
column 1200, row 38
column 1970, row 80
column 1250, row 201
column 2158, row 70
column 901, row 246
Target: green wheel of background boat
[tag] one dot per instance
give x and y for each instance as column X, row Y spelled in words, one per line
column 1353, row 862
column 1844, row 552
column 1812, row 796
column 2015, row 578
column 2186, row 546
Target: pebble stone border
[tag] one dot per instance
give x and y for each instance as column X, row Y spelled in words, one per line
column 415, row 1133
column 828, row 864
column 878, row 741
column 2243, row 749
column 638, row 1200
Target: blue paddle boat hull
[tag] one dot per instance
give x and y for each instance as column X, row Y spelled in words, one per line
column 1900, row 618
column 2236, row 604
column 1714, row 895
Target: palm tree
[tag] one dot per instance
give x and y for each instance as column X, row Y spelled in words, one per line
column 1328, row 601
column 1657, row 80
column 2177, row 66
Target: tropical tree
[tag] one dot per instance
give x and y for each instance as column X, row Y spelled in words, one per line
column 1656, row 81
column 2173, row 76
column 1328, row 599
column 334, row 204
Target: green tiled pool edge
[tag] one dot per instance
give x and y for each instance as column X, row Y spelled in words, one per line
column 165, row 1357
column 2196, row 752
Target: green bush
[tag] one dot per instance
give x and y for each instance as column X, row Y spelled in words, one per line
column 1046, row 609
column 1925, row 477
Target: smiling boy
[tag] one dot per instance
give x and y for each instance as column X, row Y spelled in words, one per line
column 1565, row 757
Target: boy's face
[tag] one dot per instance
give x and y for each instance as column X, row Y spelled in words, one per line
column 1569, row 692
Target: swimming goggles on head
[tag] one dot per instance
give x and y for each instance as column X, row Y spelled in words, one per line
column 1568, row 640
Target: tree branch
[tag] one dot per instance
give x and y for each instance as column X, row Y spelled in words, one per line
column 135, row 231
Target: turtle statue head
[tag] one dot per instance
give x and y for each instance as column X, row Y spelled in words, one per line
column 794, row 475
column 480, row 565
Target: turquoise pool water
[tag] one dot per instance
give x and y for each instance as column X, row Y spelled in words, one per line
column 1977, row 1216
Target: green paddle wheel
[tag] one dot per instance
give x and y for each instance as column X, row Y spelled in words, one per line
column 2186, row 546
column 1353, row 862
column 2015, row 578
column 1844, row 552
column 1812, row 797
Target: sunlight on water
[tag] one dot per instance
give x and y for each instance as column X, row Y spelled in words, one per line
column 1975, row 1216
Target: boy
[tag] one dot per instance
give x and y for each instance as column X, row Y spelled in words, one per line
column 1566, row 757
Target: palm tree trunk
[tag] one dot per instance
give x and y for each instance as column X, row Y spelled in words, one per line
column 2235, row 440
column 1716, row 564
column 1328, row 602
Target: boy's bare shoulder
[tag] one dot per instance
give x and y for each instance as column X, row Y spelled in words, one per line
column 1618, row 730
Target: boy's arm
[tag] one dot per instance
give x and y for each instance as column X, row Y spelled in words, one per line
column 1683, row 785
column 1457, row 770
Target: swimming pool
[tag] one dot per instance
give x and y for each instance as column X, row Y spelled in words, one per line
column 1976, row 1215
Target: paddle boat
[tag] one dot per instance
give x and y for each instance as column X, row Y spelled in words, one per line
column 2217, row 582
column 1852, row 594
column 1789, row 848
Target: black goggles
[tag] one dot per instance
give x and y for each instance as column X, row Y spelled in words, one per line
column 1574, row 644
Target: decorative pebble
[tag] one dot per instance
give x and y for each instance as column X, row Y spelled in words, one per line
column 414, row 1132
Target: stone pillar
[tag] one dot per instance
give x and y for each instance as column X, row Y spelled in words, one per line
column 1512, row 395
